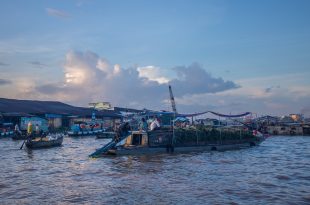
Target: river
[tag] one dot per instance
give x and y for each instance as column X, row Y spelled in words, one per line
column 276, row 172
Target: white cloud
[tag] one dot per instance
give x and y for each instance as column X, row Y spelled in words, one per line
column 5, row 82
column 153, row 73
column 286, row 96
column 57, row 13
column 89, row 78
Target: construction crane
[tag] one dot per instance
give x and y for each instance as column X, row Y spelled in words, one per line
column 174, row 109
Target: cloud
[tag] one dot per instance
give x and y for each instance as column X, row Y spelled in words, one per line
column 270, row 89
column 289, row 95
column 50, row 88
column 88, row 77
column 152, row 73
column 38, row 64
column 5, row 82
column 306, row 111
column 57, row 13
column 195, row 78
column 81, row 3
column 3, row 64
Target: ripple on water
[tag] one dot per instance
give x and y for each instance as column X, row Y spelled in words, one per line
column 282, row 177
column 277, row 172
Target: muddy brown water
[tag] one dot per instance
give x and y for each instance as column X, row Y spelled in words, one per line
column 276, row 172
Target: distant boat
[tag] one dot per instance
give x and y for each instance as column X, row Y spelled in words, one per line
column 84, row 133
column 6, row 134
column 81, row 128
column 52, row 140
column 6, row 129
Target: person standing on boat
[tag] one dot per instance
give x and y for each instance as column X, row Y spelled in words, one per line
column 37, row 130
column 143, row 125
column 122, row 131
column 155, row 124
column 17, row 130
column 29, row 130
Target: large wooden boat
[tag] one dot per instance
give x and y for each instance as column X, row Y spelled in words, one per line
column 45, row 142
column 180, row 141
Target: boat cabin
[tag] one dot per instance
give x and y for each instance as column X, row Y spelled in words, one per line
column 137, row 139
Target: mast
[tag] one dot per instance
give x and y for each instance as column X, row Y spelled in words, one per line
column 174, row 109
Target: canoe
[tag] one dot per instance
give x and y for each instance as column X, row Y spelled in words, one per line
column 18, row 136
column 44, row 142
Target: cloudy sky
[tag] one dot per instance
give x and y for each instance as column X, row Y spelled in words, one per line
column 225, row 56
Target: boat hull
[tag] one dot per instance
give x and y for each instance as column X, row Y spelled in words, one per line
column 163, row 141
column 44, row 144
column 19, row 136
column 138, row 150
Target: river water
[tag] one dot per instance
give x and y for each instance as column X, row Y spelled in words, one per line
column 276, row 172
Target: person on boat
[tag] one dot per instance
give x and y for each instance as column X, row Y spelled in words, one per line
column 155, row 125
column 37, row 130
column 143, row 125
column 29, row 130
column 122, row 131
column 17, row 130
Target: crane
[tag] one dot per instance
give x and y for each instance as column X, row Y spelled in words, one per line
column 174, row 109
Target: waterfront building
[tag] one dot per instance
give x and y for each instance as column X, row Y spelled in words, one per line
column 57, row 114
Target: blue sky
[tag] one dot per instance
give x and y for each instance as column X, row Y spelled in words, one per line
column 252, row 55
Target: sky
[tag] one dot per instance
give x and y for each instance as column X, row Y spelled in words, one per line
column 220, row 55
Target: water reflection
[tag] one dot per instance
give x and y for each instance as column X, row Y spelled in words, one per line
column 29, row 153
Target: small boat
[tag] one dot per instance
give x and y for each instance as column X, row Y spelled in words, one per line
column 45, row 142
column 84, row 133
column 19, row 136
column 180, row 141
column 6, row 134
column 80, row 129
column 105, row 135
column 6, row 129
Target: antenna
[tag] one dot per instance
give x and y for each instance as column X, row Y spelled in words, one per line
column 174, row 109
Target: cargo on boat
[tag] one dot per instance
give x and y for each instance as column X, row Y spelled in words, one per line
column 181, row 140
